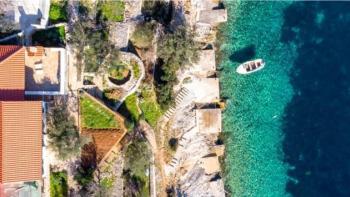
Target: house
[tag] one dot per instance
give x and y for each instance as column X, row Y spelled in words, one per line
column 20, row 128
column 36, row 70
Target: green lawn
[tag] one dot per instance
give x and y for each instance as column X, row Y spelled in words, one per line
column 52, row 37
column 58, row 184
column 93, row 115
column 58, row 11
column 113, row 10
column 131, row 105
column 149, row 106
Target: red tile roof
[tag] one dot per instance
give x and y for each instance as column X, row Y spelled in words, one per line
column 7, row 50
column 12, row 68
column 20, row 141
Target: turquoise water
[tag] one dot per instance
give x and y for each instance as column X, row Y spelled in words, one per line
column 256, row 103
column 288, row 124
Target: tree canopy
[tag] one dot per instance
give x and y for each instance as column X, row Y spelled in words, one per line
column 63, row 134
column 175, row 49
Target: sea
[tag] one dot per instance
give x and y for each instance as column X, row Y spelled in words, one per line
column 288, row 125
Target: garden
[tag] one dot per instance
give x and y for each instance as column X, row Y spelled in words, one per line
column 95, row 116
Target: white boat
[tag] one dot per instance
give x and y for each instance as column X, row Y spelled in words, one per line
column 250, row 66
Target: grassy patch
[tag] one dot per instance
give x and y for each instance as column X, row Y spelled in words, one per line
column 113, row 10
column 149, row 106
column 58, row 184
column 52, row 37
column 93, row 115
column 58, row 12
column 131, row 105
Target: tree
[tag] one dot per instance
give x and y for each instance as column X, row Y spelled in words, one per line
column 6, row 25
column 143, row 35
column 175, row 49
column 178, row 48
column 63, row 135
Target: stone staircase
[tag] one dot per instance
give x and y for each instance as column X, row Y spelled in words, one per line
column 178, row 100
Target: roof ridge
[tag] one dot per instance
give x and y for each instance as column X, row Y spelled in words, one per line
column 7, row 51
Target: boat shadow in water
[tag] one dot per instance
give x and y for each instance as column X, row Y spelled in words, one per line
column 316, row 121
column 244, row 54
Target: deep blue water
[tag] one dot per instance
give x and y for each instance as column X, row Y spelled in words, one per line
column 289, row 124
column 317, row 120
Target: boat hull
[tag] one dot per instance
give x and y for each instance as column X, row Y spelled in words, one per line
column 241, row 69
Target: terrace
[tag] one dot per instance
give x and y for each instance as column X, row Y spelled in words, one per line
column 45, row 71
column 208, row 121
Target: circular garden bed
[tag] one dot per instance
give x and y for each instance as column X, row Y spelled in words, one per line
column 119, row 74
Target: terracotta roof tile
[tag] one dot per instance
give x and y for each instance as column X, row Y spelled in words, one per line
column 12, row 67
column 20, row 141
column 7, row 50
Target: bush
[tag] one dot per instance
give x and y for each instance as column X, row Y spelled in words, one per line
column 173, row 143
column 58, row 12
column 112, row 10
column 143, row 35
column 63, row 134
column 58, row 184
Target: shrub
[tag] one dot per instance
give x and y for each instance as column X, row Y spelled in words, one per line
column 112, row 10
column 173, row 143
column 143, row 35
column 58, row 11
